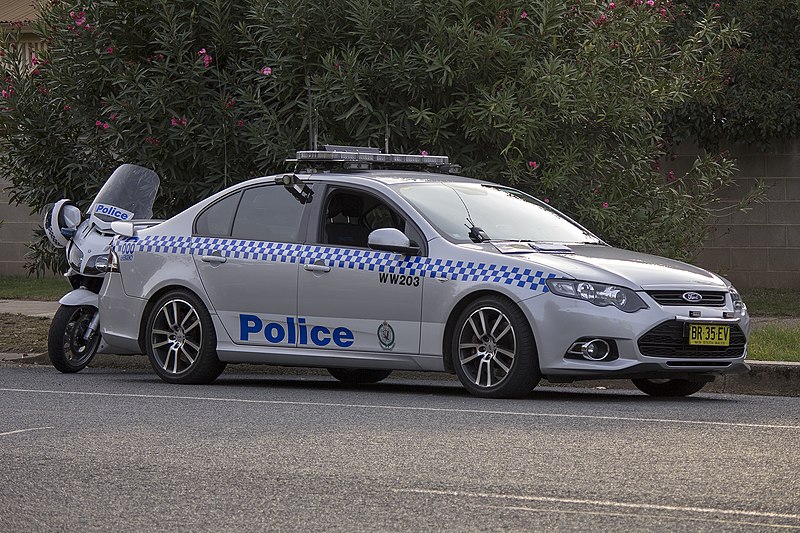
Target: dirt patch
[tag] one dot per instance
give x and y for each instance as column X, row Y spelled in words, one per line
column 23, row 334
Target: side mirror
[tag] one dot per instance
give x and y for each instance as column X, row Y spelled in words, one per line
column 392, row 240
column 123, row 228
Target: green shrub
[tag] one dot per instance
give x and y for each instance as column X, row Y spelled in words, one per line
column 760, row 101
column 564, row 99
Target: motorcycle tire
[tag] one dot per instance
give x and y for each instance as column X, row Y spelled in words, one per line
column 66, row 347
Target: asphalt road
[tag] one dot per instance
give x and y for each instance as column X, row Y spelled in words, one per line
column 108, row 449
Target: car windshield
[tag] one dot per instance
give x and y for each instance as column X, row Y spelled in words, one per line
column 504, row 214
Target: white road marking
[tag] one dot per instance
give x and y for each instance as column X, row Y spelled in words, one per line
column 409, row 408
column 629, row 515
column 23, row 431
column 599, row 503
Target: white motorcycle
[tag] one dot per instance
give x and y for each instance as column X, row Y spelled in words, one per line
column 127, row 195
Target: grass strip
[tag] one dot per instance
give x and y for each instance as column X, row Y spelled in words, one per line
column 774, row 342
column 42, row 289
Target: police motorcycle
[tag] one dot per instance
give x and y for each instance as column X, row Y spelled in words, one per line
column 127, row 195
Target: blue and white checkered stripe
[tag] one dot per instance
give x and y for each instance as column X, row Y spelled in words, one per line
column 351, row 259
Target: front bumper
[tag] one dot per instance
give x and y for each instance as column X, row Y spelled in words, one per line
column 559, row 322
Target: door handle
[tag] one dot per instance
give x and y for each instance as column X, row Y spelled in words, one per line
column 317, row 266
column 215, row 257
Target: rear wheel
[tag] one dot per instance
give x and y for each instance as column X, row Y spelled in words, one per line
column 668, row 387
column 494, row 352
column 180, row 339
column 359, row 375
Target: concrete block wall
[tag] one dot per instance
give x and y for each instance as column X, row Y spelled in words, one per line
column 15, row 234
column 760, row 247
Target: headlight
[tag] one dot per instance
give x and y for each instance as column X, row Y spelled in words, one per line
column 93, row 264
column 738, row 305
column 598, row 293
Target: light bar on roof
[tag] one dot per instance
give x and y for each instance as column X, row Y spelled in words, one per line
column 371, row 157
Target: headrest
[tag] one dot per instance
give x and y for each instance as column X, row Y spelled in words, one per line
column 349, row 205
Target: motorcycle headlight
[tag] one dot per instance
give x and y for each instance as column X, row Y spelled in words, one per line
column 96, row 265
column 599, row 294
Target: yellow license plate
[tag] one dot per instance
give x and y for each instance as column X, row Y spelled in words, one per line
column 709, row 335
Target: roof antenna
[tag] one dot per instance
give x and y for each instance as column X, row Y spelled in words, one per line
column 386, row 137
column 311, row 135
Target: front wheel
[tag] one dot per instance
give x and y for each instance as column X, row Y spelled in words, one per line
column 668, row 387
column 180, row 340
column 493, row 349
column 69, row 348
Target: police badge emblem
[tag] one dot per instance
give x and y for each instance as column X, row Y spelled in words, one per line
column 386, row 336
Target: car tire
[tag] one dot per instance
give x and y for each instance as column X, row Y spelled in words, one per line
column 354, row 376
column 180, row 340
column 668, row 387
column 493, row 349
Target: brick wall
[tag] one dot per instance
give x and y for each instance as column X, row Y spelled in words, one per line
column 761, row 247
column 15, row 233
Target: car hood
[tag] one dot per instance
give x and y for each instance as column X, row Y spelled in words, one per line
column 606, row 264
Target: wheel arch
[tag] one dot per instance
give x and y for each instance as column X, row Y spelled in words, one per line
column 462, row 304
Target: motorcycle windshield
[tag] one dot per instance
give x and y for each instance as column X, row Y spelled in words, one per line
column 128, row 194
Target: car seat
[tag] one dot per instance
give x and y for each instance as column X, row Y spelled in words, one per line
column 349, row 232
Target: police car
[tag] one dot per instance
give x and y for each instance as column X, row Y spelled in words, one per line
column 363, row 263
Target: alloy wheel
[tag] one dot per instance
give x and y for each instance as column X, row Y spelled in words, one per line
column 487, row 346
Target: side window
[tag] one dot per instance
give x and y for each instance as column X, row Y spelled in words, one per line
column 268, row 213
column 351, row 215
column 215, row 221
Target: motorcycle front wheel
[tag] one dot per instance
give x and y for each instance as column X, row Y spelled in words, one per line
column 68, row 350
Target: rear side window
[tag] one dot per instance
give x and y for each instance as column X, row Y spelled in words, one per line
column 268, row 213
column 216, row 220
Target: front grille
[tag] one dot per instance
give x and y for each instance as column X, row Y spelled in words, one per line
column 710, row 299
column 671, row 340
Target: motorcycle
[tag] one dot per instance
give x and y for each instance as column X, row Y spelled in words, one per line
column 127, row 195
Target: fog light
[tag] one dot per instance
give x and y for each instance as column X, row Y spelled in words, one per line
column 596, row 350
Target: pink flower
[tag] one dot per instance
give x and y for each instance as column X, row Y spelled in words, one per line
column 201, row 53
column 240, row 123
column 670, row 176
column 266, row 71
column 207, row 60
column 101, row 124
column 715, row 6
column 650, row 3
column 612, row 5
column 423, row 153
column 5, row 94
column 230, row 103
column 152, row 141
column 663, row 12
column 605, row 205
column 179, row 121
column 67, row 107
column 547, row 200
column 34, row 60
column 533, row 165
column 110, row 50
column 524, row 15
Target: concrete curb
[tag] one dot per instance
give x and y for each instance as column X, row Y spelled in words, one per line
column 765, row 377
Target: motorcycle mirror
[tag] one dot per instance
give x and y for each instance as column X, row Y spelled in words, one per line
column 123, row 228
